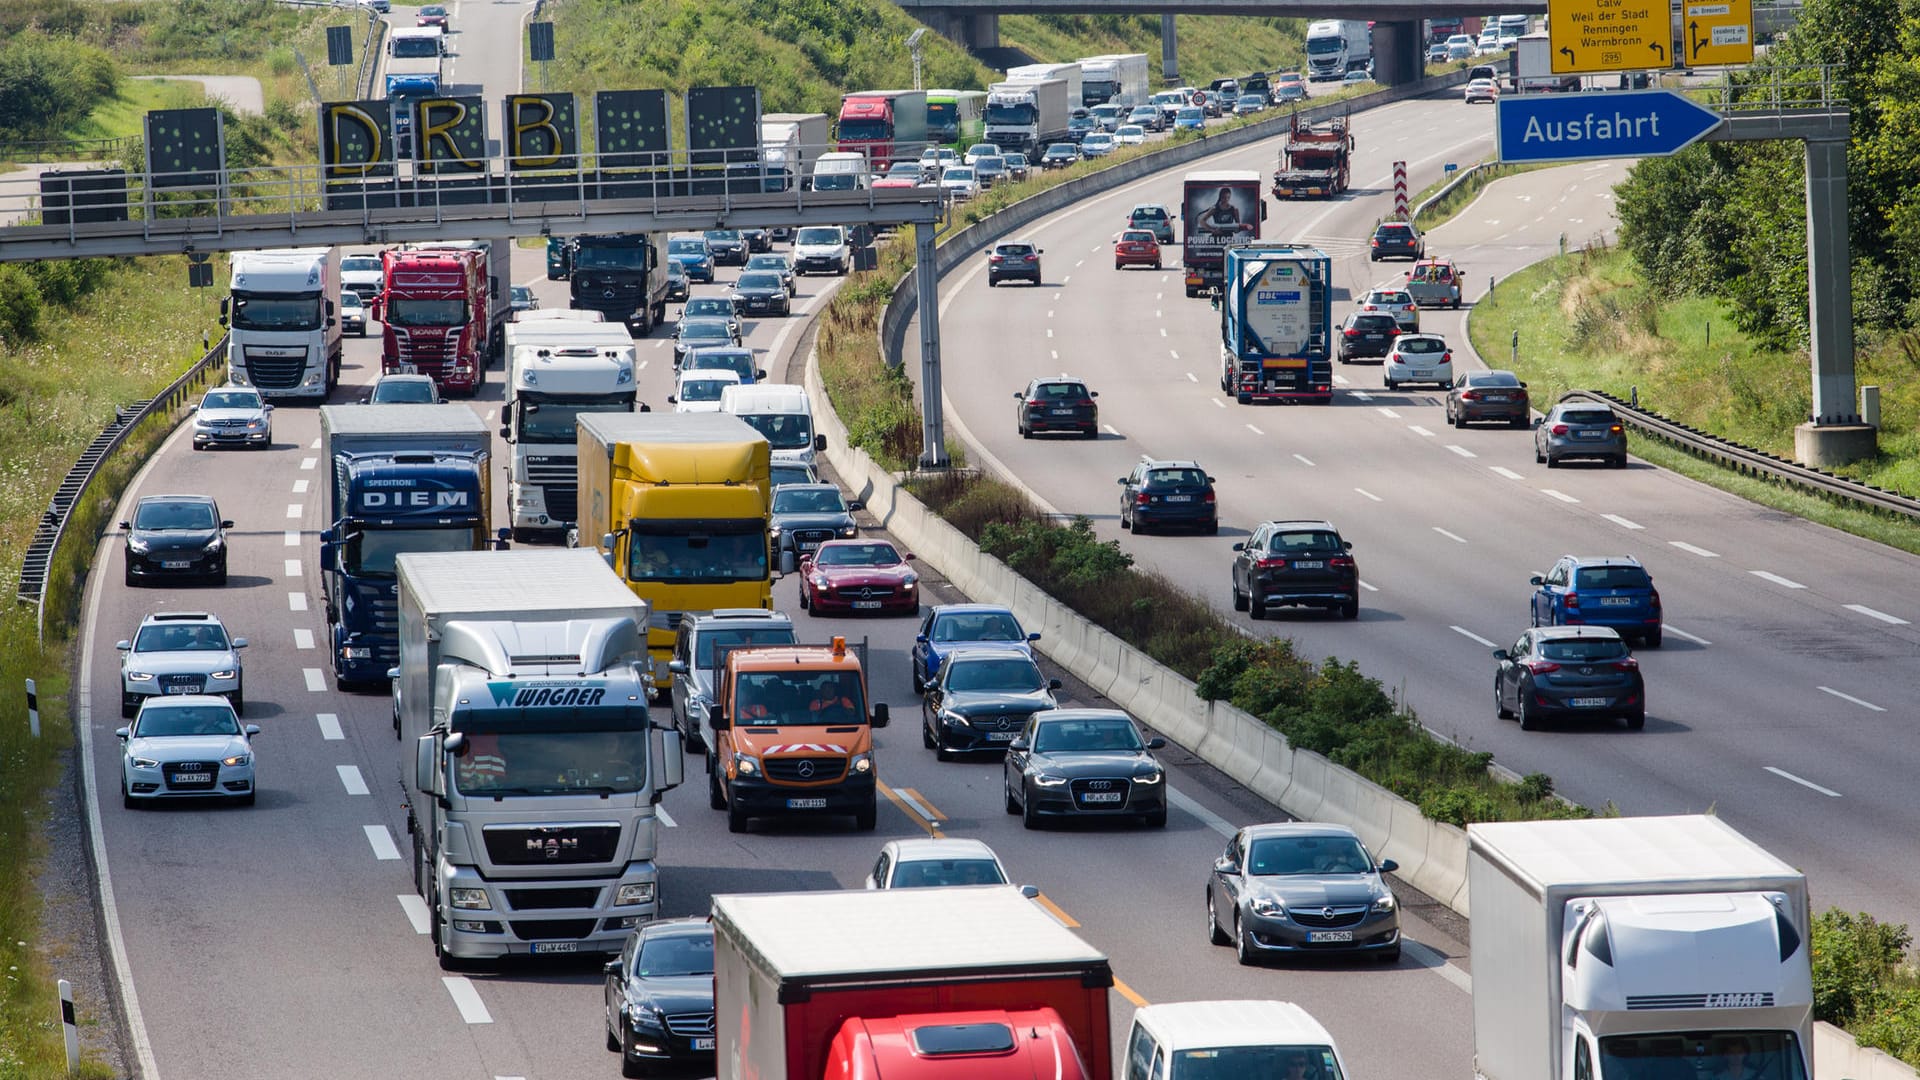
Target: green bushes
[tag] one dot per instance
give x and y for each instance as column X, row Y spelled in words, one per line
column 27, row 290
column 1864, row 980
column 49, row 84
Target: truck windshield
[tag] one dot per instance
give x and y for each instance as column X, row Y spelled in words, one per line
column 544, row 420
column 818, row 236
column 786, row 431
column 779, row 698
column 371, row 551
column 860, row 130
column 942, row 114
column 277, row 311
column 834, row 182
column 1316, row 1062
column 610, row 258
column 402, row 311
column 722, row 553
column 413, row 46
column 1708, row 1055
column 1318, row 46
column 552, row 763
column 1010, row 114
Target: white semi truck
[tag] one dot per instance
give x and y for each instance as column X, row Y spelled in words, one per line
column 1115, row 79
column 1337, row 46
column 531, row 764
column 1625, row 948
column 1026, row 116
column 789, row 145
column 556, row 370
column 283, row 335
column 1070, row 73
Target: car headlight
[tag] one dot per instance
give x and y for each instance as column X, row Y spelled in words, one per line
column 257, row 425
column 202, row 423
column 774, row 532
column 227, row 674
column 910, row 583
column 469, row 899
column 1150, row 778
column 820, row 581
column 640, row 892
column 138, row 676
column 1267, row 905
column 1384, row 903
column 143, row 763
column 647, row 1016
column 237, row 760
column 1049, row 780
column 214, row 544
column 137, row 545
column 956, row 719
column 849, row 530
column 863, row 763
column 745, row 765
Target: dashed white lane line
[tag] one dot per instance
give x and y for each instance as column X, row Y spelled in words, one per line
column 1420, row 431
column 1849, row 697
column 300, row 486
column 1175, row 353
column 382, row 843
column 1623, row 522
column 1700, row 551
column 1368, row 494
column 330, row 727
column 307, row 463
column 1303, row 459
column 1049, row 313
column 292, row 567
column 1163, row 331
column 1218, row 403
column 1785, row 583
column 293, row 538
column 1158, row 314
column 302, row 638
column 416, row 910
column 1561, row 495
column 1389, row 413
column 1049, row 331
column 293, row 510
column 467, row 999
column 1435, row 961
column 1339, row 380
column 1369, row 588
column 1890, row 620
column 665, row 818
column 1455, row 537
column 1361, row 395
column 1803, row 782
column 1066, row 277
column 1109, row 429
column 351, row 779
column 1255, row 430
column 314, row 445
column 1679, row 633
column 1471, row 636
column 1056, row 296
column 296, row 601
column 1190, row 378
column 1207, row 817
column 1502, row 470
column 918, row 807
column 1077, row 265
column 1055, row 352
column 1461, row 450
column 316, row 680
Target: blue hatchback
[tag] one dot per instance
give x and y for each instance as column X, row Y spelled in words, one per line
column 950, row 626
column 693, row 255
column 1585, row 590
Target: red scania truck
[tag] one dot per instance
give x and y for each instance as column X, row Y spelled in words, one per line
column 444, row 312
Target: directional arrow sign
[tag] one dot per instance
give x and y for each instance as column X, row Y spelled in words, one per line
column 1719, row 32
column 1576, row 127
column 1608, row 35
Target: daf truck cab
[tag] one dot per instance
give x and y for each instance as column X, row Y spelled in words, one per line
column 284, row 336
column 558, row 369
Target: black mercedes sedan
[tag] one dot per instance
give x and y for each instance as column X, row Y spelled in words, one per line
column 761, row 292
column 176, row 536
column 982, row 699
column 659, row 997
column 1084, row 763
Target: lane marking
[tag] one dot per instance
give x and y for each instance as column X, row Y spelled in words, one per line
column 665, row 818
column 466, row 999
column 1110, row 429
column 1255, row 430
column 1163, row 331
column 1055, row 353
column 1890, row 620
column 293, row 510
column 293, row 537
column 314, row 445
column 1418, row 430
column 1561, row 495
column 316, row 682
column 351, row 779
column 1130, row 994
column 416, row 911
column 1340, row 380
column 292, row 567
column 914, row 812
column 922, row 800
column 1700, row 551
column 1190, row 377
column 1785, row 775
column 1218, row 403
column 1622, row 522
column 307, row 463
column 1461, row 450
column 1428, row 957
column 1054, row 910
column 1851, row 698
column 1361, row 395
column 1502, row 470
column 1189, row 805
column 330, row 727
column 1369, row 494
column 1303, row 459
column 1369, row 588
column 1175, row 353
column 1389, row 413
column 382, row 842
column 296, row 601
column 1785, row 583
column 1455, row 537
column 1470, row 635
column 911, row 798
column 300, row 486
column 1049, row 331
column 1049, row 313
column 302, row 638
column 1695, row 638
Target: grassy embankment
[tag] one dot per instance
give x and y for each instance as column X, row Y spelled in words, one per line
column 1587, row 322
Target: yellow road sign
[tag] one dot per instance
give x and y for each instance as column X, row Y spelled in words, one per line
column 1715, row 33
column 1609, row 35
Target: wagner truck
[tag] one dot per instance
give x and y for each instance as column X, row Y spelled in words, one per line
column 1027, row 116
column 623, row 276
column 283, row 336
column 972, row 983
column 789, row 144
column 531, row 766
column 556, row 370
column 1217, row 210
column 1276, row 324
column 1119, row 79
column 1316, row 161
column 444, row 312
column 885, row 125
column 678, row 504
column 1621, row 948
column 399, row 478
column 1337, row 46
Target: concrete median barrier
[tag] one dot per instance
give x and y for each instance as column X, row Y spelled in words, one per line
column 1406, row 838
column 1443, row 875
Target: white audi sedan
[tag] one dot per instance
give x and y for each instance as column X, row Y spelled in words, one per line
column 188, row 746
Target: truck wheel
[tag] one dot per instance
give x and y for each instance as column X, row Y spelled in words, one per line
column 1244, row 399
column 867, row 817
column 736, row 818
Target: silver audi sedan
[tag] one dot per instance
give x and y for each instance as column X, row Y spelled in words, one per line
column 1300, row 887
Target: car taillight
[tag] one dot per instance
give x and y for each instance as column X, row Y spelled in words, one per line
column 1655, row 596
column 1343, row 562
column 1084, row 403
column 1469, row 395
column 1446, row 357
column 1573, row 600
column 1351, row 332
column 1271, row 564
column 1559, row 429
column 1540, row 667
column 1615, row 429
column 1207, row 498
column 1376, row 242
column 1140, row 498
column 1629, row 664
column 1033, row 404
column 995, row 258
column 1368, row 307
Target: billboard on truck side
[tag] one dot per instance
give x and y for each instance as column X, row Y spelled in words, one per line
column 1281, row 314
column 1220, row 215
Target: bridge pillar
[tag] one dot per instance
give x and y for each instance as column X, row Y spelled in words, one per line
column 965, row 27
column 1399, row 54
column 1169, row 52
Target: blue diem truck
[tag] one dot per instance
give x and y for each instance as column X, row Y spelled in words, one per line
column 400, row 478
column 1276, row 324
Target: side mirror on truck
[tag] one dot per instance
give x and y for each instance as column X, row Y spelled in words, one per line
column 672, row 756
column 819, row 443
column 425, row 776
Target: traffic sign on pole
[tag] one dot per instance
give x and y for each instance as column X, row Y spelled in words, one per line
column 1608, row 35
column 1717, row 33
column 1576, row 127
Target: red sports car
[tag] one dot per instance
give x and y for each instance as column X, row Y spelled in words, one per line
column 1136, row 247
column 432, row 15
column 858, row 575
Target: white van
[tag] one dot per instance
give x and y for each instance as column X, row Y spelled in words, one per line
column 841, row 170
column 1188, row 1039
column 782, row 413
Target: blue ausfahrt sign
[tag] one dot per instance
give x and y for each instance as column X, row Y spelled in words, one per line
column 1573, row 127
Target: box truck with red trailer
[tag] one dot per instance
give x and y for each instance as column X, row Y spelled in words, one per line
column 885, row 125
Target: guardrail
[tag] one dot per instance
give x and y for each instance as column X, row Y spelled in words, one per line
column 37, row 568
column 370, row 56
column 1754, row 462
column 1452, row 186
column 107, row 149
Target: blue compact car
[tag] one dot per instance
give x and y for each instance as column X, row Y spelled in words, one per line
column 950, row 626
column 1614, row 591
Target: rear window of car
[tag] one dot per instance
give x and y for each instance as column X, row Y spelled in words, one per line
column 1422, row 345
column 1015, row 249
column 1386, row 297
column 1584, row 649
column 1303, row 540
column 1493, row 378
column 1062, row 390
column 1397, row 232
column 1373, row 322
column 1149, row 213
column 1611, row 577
column 1137, row 236
column 1175, row 478
column 1586, row 416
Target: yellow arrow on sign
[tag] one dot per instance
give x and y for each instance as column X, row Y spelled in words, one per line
column 1609, row 35
column 1717, row 33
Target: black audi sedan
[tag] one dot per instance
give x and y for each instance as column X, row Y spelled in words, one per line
column 982, row 699
column 176, row 536
column 761, row 292
column 659, row 997
column 1084, row 763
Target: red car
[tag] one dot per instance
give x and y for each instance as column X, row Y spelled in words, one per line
column 1136, row 247
column 858, row 575
column 432, row 15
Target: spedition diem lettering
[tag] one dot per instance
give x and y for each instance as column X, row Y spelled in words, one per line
column 1591, row 128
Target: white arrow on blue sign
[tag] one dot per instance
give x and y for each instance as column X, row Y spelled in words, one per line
column 1610, row 124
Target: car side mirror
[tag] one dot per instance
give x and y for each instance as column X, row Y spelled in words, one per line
column 678, row 667
column 1523, row 386
column 1156, row 743
column 366, row 399
column 1093, row 393
column 1539, row 420
column 920, row 639
column 226, row 524
column 123, row 646
column 1346, row 545
column 612, row 967
column 759, row 373
column 1018, row 744
column 251, row 730
column 126, row 525
column 123, row 733
column 1031, row 892
column 1224, row 865
column 671, row 400
column 1501, row 654
column 1535, row 579
column 1035, row 636
column 269, row 407
column 1239, row 547
column 1039, row 251
column 880, row 715
column 239, row 643
column 1388, row 866
column 1054, row 684
column 1122, row 480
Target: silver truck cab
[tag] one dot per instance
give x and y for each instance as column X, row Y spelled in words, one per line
column 696, row 655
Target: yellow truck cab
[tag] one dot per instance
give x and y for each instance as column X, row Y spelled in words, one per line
column 793, row 733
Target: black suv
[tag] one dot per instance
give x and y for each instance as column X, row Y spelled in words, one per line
column 728, row 246
column 1058, row 404
column 1014, row 262
column 1367, row 334
column 1296, row 564
column 1162, row 493
column 176, row 536
column 1060, row 155
column 1397, row 240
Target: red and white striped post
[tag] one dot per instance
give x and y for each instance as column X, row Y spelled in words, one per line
column 1400, row 209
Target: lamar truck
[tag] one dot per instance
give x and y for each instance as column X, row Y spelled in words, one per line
column 1316, row 161
column 1218, row 210
column 532, row 766
column 885, row 125
column 1621, row 948
column 283, row 337
column 1276, row 324
column 444, row 311
column 621, row 276
column 400, row 478
column 556, row 370
column 972, row 983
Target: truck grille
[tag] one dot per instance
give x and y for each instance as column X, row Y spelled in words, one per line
column 549, row 845
column 562, row 502
column 552, row 469
column 551, row 929
column 427, row 352
column 550, row 899
column 805, row 770
column 1328, row 918
column 274, row 372
column 1754, row 999
column 695, row 1024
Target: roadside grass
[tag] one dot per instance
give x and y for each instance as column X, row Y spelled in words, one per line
column 125, row 116
column 1211, row 46
column 1461, row 197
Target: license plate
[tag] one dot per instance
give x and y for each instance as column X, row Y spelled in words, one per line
column 176, row 564
column 1376, row 337
column 1101, row 796
column 1000, row 736
column 1423, row 374
column 1588, row 702
column 809, row 545
column 1061, row 412
column 866, row 605
column 193, row 778
column 1588, row 434
column 556, row 946
column 183, row 689
column 703, row 1044
column 1179, row 498
column 1329, row 935
column 1616, row 601
column 1496, row 397
column 1309, row 564
column 806, row 804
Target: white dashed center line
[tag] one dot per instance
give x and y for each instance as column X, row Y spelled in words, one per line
column 330, row 727
column 416, row 910
column 1561, row 495
column 1303, row 459
column 351, row 779
column 1461, row 450
column 1700, row 551
column 1622, row 522
column 1368, row 494
column 1190, row 378
column 1361, row 395
column 1218, row 403
column 302, row 638
column 1255, row 430
column 467, row 999
column 1456, row 538
column 665, row 818
column 1389, row 413
column 1679, row 633
column 1369, row 588
column 1851, row 698
column 316, row 680
column 1471, row 636
column 1785, row 775
column 300, row 486
column 1339, row 380
column 1420, row 431
column 307, row 463
column 1890, row 620
column 292, row 568
column 1109, row 429
column 1785, row 583
column 293, row 510
column 382, row 842
column 296, row 601
column 293, row 538
column 1506, row 472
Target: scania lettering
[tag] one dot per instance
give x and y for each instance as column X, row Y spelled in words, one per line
column 284, row 339
column 557, row 370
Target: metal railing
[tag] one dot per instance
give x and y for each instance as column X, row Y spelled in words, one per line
column 36, row 569
column 107, row 149
column 1760, row 463
column 370, row 55
column 1774, row 88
